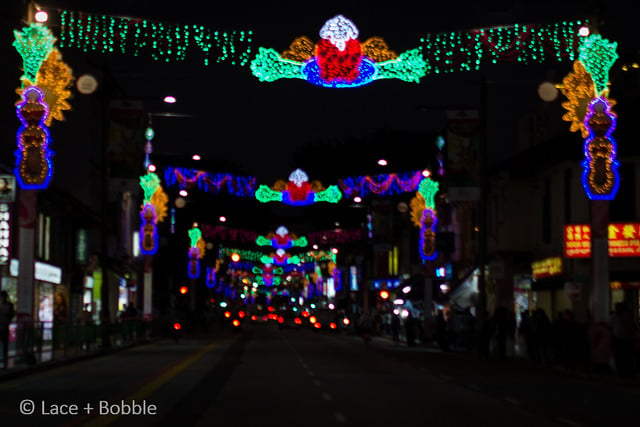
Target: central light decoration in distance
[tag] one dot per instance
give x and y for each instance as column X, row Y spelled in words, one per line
column 298, row 191
column 338, row 59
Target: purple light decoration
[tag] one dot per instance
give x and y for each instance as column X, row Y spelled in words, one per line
column 600, row 177
column 427, row 235
column 32, row 122
column 193, row 268
column 210, row 277
column 383, row 185
column 240, row 186
column 148, row 230
column 367, row 70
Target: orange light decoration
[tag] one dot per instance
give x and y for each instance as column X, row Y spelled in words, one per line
column 54, row 78
column 236, row 322
column 227, row 314
column 177, row 326
column 312, row 319
column 579, row 88
column 384, row 294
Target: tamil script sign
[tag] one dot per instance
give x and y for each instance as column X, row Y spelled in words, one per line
column 624, row 240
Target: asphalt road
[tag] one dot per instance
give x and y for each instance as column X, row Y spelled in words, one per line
column 267, row 376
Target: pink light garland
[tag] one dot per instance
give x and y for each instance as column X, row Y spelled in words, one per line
column 359, row 186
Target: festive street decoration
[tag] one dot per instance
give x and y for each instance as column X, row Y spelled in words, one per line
column 298, row 191
column 34, row 44
column 579, row 89
column 150, row 183
column 338, row 59
column 33, row 167
column 281, row 239
column 268, row 275
column 240, row 186
column 600, row 176
column 598, row 55
column 247, row 255
column 161, row 41
column 457, row 51
column 280, row 257
column 382, row 185
column 54, row 78
column 196, row 252
column 423, row 215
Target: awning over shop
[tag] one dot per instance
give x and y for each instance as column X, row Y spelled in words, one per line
column 466, row 293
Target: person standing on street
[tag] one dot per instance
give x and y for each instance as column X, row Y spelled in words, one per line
column 6, row 315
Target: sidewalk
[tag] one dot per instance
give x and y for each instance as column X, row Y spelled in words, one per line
column 386, row 343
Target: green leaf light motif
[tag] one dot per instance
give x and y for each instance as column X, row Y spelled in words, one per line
column 409, row 66
column 263, row 241
column 598, row 55
column 149, row 183
column 194, row 235
column 332, row 195
column 34, row 44
column 300, row 242
column 428, row 189
column 269, row 66
column 265, row 194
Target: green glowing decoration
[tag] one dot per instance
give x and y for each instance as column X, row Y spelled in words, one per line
column 598, row 55
column 532, row 43
column 253, row 256
column 162, row 41
column 266, row 259
column 265, row 194
column 300, row 242
column 149, row 183
column 194, row 235
column 428, row 189
column 332, row 195
column 268, row 66
column 34, row 44
column 263, row 241
column 410, row 66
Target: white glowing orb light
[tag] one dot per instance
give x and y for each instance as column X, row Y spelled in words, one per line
column 331, row 306
column 426, row 173
column 334, row 250
column 41, row 16
column 315, row 247
column 444, row 288
column 396, row 311
column 222, row 219
column 184, row 193
column 404, row 314
column 357, row 199
column 584, row 31
column 196, row 157
column 398, row 301
column 383, row 162
column 152, row 168
column 406, row 289
column 170, row 99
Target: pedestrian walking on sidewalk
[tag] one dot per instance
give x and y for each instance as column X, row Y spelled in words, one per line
column 6, row 315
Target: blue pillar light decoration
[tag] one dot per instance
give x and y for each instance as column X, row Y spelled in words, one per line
column 148, row 215
column 600, row 177
column 196, row 251
column 33, row 169
column 424, row 215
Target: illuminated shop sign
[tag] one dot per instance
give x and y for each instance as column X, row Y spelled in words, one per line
column 41, row 271
column 624, row 240
column 546, row 267
column 5, row 233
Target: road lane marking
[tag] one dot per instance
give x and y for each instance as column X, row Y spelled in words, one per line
column 146, row 390
column 326, row 396
column 569, row 422
column 341, row 418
